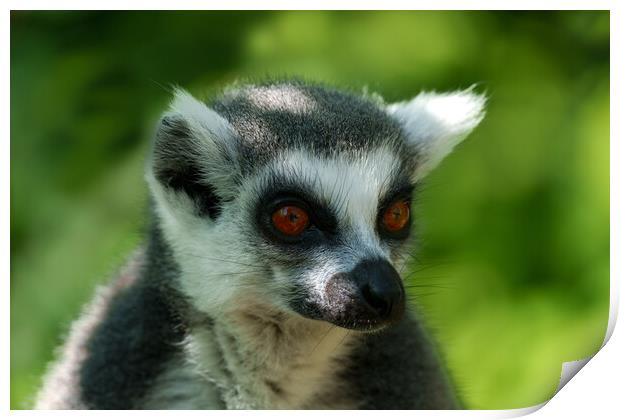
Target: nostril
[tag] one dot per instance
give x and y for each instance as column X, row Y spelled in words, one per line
column 379, row 290
column 379, row 302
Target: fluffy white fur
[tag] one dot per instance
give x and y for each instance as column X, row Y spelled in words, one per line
column 437, row 122
column 204, row 122
column 273, row 361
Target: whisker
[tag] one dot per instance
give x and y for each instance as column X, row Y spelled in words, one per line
column 417, row 295
column 343, row 338
column 208, row 275
column 420, row 280
column 321, row 340
column 437, row 286
column 224, row 260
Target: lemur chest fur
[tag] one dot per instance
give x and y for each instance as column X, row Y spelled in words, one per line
column 254, row 358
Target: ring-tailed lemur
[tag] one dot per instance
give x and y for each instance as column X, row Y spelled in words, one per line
column 270, row 276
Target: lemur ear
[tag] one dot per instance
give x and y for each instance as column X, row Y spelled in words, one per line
column 436, row 122
column 193, row 155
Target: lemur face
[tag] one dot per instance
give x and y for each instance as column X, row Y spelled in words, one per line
column 298, row 197
column 333, row 229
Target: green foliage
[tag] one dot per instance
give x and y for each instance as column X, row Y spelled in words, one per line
column 513, row 260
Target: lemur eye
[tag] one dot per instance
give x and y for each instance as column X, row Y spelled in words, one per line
column 290, row 220
column 396, row 216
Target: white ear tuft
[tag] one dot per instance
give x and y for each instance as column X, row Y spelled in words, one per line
column 201, row 119
column 436, row 122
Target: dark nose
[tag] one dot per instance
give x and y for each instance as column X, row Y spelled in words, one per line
column 380, row 287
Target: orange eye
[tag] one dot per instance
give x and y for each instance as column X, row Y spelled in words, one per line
column 396, row 216
column 290, row 220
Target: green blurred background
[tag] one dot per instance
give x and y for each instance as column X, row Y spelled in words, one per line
column 514, row 226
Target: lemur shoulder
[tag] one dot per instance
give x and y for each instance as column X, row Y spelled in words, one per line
column 271, row 273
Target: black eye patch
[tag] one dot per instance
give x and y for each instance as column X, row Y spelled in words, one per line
column 400, row 191
column 322, row 220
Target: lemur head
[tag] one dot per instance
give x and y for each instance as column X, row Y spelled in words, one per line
column 296, row 197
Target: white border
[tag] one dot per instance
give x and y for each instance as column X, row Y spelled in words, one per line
column 595, row 389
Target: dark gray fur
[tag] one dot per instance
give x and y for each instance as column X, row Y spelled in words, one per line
column 399, row 368
column 336, row 122
column 142, row 328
